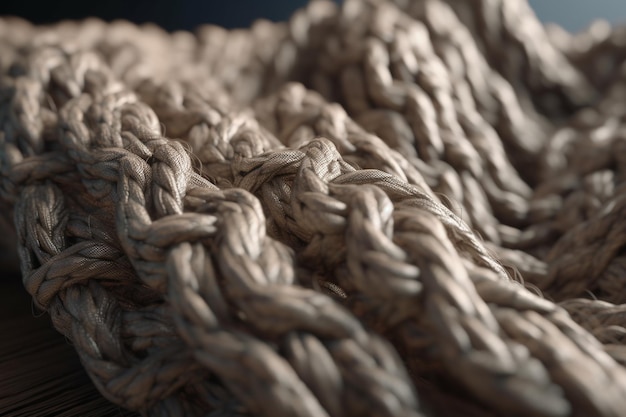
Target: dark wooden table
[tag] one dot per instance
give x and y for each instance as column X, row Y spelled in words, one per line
column 40, row 373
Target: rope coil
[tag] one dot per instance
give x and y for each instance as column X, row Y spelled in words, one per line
column 347, row 214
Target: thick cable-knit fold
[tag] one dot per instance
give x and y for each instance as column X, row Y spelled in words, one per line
column 387, row 207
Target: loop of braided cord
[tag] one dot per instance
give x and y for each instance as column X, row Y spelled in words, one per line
column 325, row 217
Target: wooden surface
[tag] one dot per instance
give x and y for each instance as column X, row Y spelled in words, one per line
column 40, row 373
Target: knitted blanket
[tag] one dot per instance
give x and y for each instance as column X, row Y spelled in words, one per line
column 385, row 208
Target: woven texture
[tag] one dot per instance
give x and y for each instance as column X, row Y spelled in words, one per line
column 386, row 208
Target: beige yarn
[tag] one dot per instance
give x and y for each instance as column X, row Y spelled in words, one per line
column 385, row 208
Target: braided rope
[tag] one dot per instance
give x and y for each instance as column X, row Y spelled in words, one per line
column 346, row 214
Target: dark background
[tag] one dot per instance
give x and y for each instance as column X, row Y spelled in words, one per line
column 187, row 14
column 575, row 15
column 170, row 14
